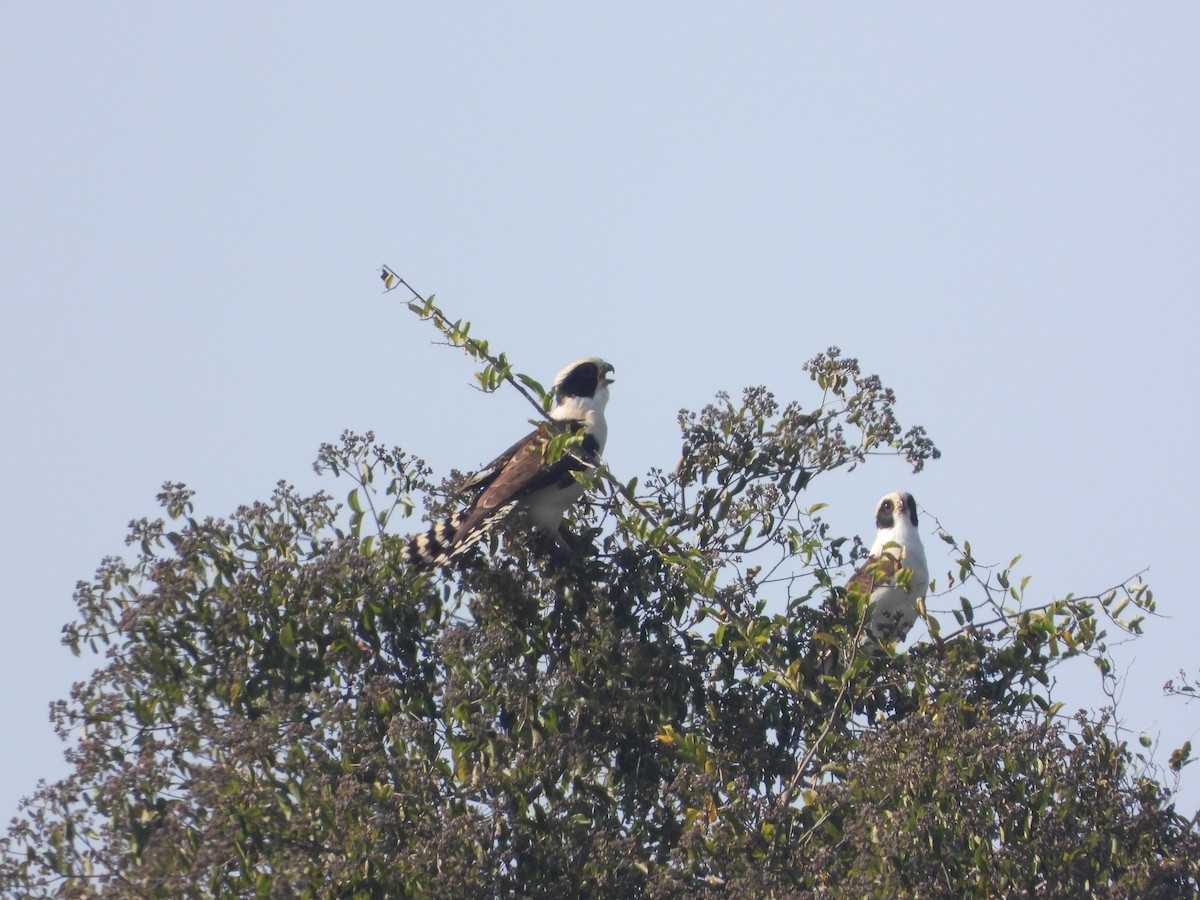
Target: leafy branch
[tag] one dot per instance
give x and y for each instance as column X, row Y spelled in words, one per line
column 497, row 369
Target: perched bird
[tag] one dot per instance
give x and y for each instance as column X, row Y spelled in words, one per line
column 897, row 546
column 521, row 476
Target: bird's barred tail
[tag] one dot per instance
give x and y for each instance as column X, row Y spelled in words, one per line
column 446, row 540
column 433, row 547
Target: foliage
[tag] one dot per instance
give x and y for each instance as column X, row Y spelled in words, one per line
column 286, row 710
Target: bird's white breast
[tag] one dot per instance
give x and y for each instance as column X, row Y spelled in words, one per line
column 589, row 411
column 896, row 606
column 547, row 507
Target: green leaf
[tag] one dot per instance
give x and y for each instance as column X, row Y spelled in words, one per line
column 287, row 640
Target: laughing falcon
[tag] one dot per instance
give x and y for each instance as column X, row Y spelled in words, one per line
column 521, row 476
column 897, row 546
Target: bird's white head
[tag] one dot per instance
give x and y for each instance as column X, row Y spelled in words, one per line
column 896, row 521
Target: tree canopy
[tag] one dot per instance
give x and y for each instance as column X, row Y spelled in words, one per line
column 286, row 709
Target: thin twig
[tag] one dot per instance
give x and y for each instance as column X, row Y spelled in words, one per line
column 475, row 348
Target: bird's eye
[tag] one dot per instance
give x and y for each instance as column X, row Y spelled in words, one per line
column 887, row 505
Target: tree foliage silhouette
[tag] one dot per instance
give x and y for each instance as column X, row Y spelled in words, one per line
column 285, row 709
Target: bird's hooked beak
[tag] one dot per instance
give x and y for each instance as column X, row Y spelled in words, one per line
column 606, row 375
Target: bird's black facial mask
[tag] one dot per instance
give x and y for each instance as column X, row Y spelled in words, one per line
column 581, row 382
column 886, row 516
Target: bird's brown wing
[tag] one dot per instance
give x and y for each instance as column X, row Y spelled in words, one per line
column 498, row 487
column 516, row 473
column 485, row 476
column 875, row 572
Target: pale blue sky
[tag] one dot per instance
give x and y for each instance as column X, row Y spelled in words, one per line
column 996, row 208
